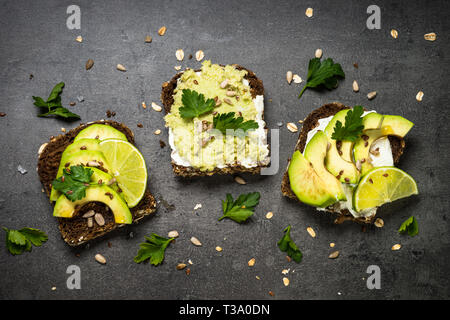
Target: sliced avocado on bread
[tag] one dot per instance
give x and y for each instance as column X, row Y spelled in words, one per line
column 103, row 193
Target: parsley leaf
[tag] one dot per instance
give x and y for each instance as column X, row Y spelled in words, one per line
column 241, row 209
column 226, row 121
column 409, row 226
column 18, row 241
column 287, row 245
column 324, row 73
column 54, row 105
column 152, row 249
column 73, row 182
column 353, row 126
column 194, row 104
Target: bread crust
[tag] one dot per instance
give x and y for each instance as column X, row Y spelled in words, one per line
column 311, row 121
column 75, row 231
column 256, row 89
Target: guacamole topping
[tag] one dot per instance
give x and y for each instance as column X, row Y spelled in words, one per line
column 192, row 140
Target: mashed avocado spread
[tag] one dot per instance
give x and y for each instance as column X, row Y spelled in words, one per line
column 192, row 140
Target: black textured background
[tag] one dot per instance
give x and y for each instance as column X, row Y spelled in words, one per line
column 270, row 38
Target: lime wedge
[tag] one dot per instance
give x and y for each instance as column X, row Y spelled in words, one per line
column 382, row 185
column 128, row 167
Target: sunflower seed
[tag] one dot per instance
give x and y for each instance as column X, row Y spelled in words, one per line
column 394, row 33
column 89, row 214
column 396, row 247
column 318, row 53
column 419, row 96
column 162, row 31
column 199, row 55
column 355, row 86
column 285, row 281
column 90, row 222
column 309, row 12
column 430, row 36
column 224, row 83
column 292, row 127
column 100, row 259
column 79, row 39
column 41, row 148
column 289, row 77
column 296, row 78
column 231, row 93
column 89, row 64
column 239, row 180
column 179, row 54
column 112, row 181
column 148, row 39
column 371, row 95
column 219, row 249
column 99, row 219
column 228, row 101
column 311, row 232
column 120, row 67
column 269, row 215
column 173, row 234
column 196, row 242
column 156, row 107
column 334, row 255
column 251, row 262
column 379, row 223
column 181, row 266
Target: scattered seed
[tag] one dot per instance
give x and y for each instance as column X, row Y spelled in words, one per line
column 79, row 39
column 199, row 55
column 181, row 266
column 196, row 242
column 219, row 249
column 228, row 101
column 178, row 68
column 355, row 86
column 197, row 206
column 296, row 78
column 251, row 262
column 309, row 12
column 179, row 54
column 292, row 127
column 100, row 259
column 332, row 244
column 89, row 64
column 356, row 65
column 285, row 271
column 224, row 84
column 21, row 169
column 371, row 95
column 430, row 36
column 2, row 114
column 258, row 278
column 53, row 288
column 157, row 132
column 162, row 31
column 396, row 247
column 80, row 98
column 334, row 255
column 271, row 293
column 89, row 214
column 239, row 180
column 269, row 215
column 173, row 234
column 156, row 107
column 148, row 39
column 120, row 67
column 144, row 105
column 231, row 93
column 311, row 232
column 419, row 96
column 289, row 77
column 162, row 144
column 318, row 53
column 300, row 121
column 99, row 219
column 379, row 223
column 394, row 33
column 286, row 281
column 188, row 271
column 63, row 129
column 90, row 222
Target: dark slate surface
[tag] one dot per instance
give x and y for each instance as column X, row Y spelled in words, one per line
column 270, row 38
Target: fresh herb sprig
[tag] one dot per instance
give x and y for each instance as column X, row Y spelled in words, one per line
column 287, row 245
column 73, row 182
column 19, row 241
column 224, row 121
column 353, row 126
column 324, row 73
column 153, row 249
column 54, row 105
column 241, row 209
column 409, row 226
column 194, row 104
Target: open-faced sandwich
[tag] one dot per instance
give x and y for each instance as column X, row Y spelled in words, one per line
column 344, row 162
column 97, row 179
column 215, row 117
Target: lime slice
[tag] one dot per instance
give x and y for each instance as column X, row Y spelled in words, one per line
column 382, row 185
column 128, row 167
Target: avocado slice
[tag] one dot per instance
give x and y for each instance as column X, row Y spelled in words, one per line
column 81, row 145
column 100, row 132
column 391, row 125
column 80, row 157
column 340, row 166
column 64, row 208
column 315, row 152
column 306, row 184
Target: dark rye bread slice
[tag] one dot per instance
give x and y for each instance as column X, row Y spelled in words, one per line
column 310, row 122
column 75, row 230
column 256, row 89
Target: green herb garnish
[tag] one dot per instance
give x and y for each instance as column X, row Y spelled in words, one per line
column 226, row 121
column 18, row 241
column 194, row 104
column 241, row 209
column 287, row 245
column 353, row 126
column 73, row 182
column 53, row 104
column 324, row 73
column 152, row 249
column 409, row 226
